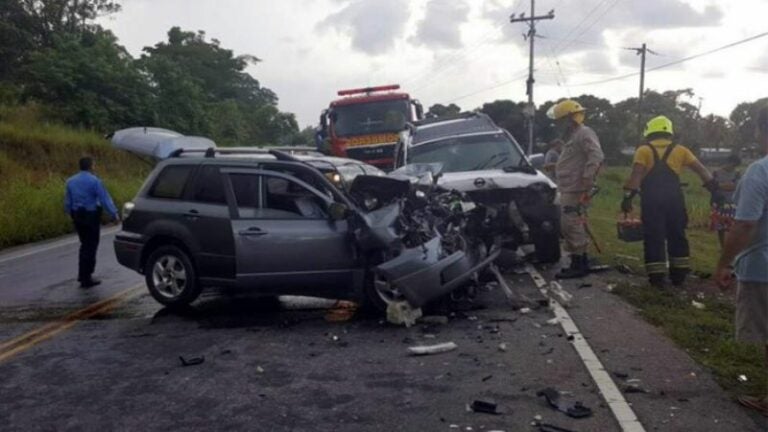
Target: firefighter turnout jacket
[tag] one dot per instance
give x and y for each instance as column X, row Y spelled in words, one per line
column 580, row 159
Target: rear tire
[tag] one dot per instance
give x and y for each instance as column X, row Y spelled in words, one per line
column 171, row 277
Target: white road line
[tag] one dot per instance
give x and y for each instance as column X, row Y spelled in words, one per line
column 32, row 250
column 621, row 410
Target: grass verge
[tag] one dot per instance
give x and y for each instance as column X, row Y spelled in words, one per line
column 706, row 334
column 35, row 161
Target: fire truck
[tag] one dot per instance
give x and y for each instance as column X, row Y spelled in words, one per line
column 364, row 123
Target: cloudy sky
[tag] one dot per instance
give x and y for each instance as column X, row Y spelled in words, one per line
column 467, row 52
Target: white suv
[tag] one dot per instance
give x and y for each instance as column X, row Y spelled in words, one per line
column 485, row 162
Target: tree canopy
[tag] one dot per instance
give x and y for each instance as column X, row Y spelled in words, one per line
column 53, row 53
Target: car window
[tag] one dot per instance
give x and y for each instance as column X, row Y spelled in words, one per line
column 468, row 153
column 290, row 197
column 170, row 182
column 209, row 187
column 281, row 198
column 246, row 191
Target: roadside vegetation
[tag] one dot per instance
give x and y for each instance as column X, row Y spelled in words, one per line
column 35, row 160
column 706, row 334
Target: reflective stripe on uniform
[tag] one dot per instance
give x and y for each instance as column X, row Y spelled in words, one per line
column 656, row 267
column 680, row 262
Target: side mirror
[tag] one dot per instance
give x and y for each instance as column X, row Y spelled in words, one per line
column 337, row 211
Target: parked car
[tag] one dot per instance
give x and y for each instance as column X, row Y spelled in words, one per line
column 520, row 204
column 282, row 222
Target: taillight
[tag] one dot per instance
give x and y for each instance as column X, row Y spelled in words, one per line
column 127, row 208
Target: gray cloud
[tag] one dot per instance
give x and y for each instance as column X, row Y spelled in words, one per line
column 597, row 62
column 573, row 30
column 441, row 26
column 372, row 25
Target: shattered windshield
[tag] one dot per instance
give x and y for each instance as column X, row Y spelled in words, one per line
column 371, row 118
column 469, row 153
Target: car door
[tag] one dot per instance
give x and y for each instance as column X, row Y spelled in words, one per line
column 284, row 239
column 208, row 219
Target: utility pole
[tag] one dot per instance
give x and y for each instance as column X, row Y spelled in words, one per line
column 642, row 51
column 531, row 109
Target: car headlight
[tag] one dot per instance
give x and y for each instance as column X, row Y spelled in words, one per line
column 548, row 195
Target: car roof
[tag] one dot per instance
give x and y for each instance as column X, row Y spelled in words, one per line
column 463, row 124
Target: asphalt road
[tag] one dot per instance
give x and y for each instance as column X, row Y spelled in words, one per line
column 280, row 366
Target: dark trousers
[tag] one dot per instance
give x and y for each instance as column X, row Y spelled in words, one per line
column 664, row 224
column 88, row 226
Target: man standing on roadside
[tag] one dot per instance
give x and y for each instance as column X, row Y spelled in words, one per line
column 84, row 199
column 576, row 169
column 746, row 254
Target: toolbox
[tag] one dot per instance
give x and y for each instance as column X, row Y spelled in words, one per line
column 630, row 229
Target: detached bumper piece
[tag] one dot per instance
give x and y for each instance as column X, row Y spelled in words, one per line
column 422, row 276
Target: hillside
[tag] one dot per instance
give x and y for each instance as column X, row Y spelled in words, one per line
column 36, row 159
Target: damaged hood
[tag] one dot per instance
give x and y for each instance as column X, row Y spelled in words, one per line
column 468, row 181
column 157, row 143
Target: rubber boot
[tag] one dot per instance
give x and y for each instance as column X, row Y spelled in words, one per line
column 677, row 276
column 578, row 269
column 656, row 280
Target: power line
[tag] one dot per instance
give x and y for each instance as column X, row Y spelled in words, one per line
column 605, row 12
column 570, row 32
column 485, row 89
column 676, row 62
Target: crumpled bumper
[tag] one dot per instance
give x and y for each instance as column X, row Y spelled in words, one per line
column 422, row 276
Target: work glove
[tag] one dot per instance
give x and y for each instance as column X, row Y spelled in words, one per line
column 626, row 203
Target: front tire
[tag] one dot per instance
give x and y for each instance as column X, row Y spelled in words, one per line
column 547, row 246
column 171, row 277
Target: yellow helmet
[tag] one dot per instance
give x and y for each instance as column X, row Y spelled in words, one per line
column 660, row 124
column 564, row 108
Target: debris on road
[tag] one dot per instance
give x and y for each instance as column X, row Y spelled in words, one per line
column 401, row 313
column 576, row 411
column 544, row 427
column 484, row 406
column 434, row 319
column 341, row 311
column 515, row 298
column 585, row 285
column 610, row 287
column 698, row 305
column 559, row 294
column 259, row 369
column 432, row 349
column 191, row 361
column 553, row 321
column 503, row 347
column 486, row 378
column 525, row 311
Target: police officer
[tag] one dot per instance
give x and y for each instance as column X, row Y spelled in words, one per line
column 576, row 169
column 656, row 176
column 84, row 199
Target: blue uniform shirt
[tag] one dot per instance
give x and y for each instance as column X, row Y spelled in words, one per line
column 751, row 199
column 85, row 191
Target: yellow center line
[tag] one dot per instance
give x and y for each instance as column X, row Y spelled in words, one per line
column 27, row 340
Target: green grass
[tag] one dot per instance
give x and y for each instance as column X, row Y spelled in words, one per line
column 35, row 161
column 707, row 335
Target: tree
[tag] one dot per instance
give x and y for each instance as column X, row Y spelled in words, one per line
column 440, row 110
column 201, row 88
column 53, row 18
column 88, row 80
column 508, row 115
column 743, row 120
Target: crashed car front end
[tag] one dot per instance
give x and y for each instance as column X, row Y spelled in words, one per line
column 416, row 233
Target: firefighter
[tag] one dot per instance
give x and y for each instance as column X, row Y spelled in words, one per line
column 656, row 176
column 575, row 173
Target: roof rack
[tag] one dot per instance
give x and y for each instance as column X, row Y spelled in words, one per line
column 213, row 151
column 464, row 115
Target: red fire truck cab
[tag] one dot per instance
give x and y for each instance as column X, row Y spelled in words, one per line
column 364, row 123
